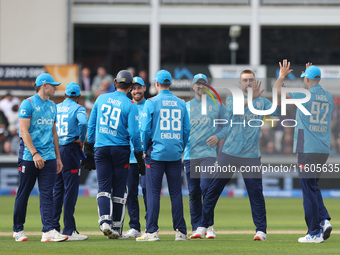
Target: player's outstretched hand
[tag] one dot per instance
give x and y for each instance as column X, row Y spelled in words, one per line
column 257, row 92
column 140, row 162
column 88, row 163
column 308, row 64
column 284, row 69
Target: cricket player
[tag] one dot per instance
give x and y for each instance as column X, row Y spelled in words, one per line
column 71, row 127
column 137, row 93
column 312, row 140
column 165, row 132
column 113, row 122
column 40, row 160
column 201, row 150
column 241, row 149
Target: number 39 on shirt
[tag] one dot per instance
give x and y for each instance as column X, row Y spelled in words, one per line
column 110, row 116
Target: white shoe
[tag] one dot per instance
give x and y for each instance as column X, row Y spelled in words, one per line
column 180, row 236
column 77, row 237
column 311, row 238
column 108, row 231
column 133, row 233
column 326, row 229
column 199, row 233
column 53, row 236
column 123, row 236
column 151, row 237
column 210, row 233
column 260, row 236
column 20, row 236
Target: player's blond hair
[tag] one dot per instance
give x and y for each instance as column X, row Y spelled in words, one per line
column 247, row 71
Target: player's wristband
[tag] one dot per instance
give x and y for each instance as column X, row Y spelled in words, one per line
column 34, row 154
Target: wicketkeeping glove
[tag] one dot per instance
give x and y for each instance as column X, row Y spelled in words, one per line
column 88, row 163
column 140, row 162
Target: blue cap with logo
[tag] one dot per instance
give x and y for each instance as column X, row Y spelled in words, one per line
column 138, row 80
column 163, row 77
column 72, row 89
column 198, row 77
column 312, row 72
column 45, row 78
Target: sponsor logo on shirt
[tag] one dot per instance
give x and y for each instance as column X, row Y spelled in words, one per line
column 202, row 120
column 43, row 121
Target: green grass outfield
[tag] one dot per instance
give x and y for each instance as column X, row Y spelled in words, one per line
column 233, row 223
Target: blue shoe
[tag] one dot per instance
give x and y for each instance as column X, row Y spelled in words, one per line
column 326, row 229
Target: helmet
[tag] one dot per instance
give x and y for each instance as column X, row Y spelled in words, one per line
column 124, row 76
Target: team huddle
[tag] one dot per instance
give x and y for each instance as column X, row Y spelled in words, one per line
column 126, row 138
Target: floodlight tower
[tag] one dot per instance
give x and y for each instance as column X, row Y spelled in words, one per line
column 234, row 33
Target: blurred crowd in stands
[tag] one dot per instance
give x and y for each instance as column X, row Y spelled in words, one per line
column 9, row 124
column 275, row 139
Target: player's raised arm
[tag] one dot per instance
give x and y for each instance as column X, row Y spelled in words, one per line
column 284, row 72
